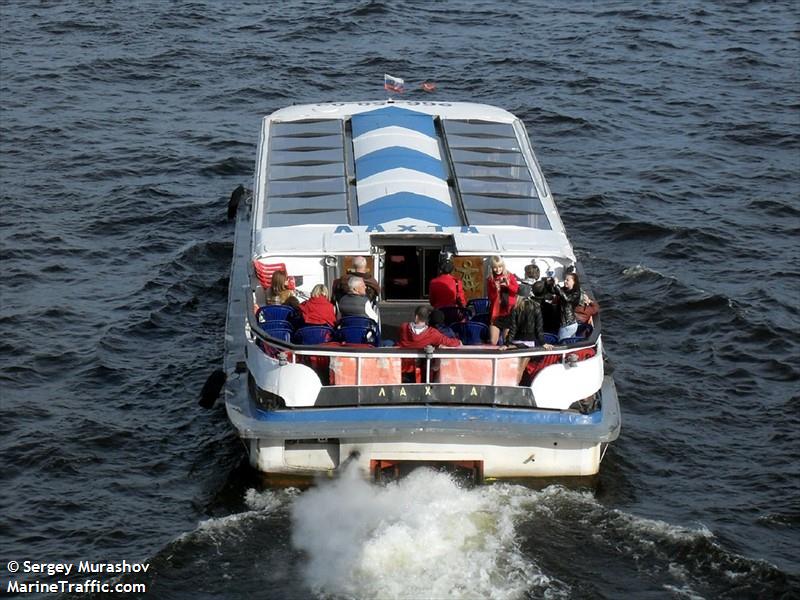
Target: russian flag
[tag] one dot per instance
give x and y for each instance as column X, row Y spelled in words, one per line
column 393, row 84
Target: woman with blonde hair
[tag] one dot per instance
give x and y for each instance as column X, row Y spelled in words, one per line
column 318, row 310
column 501, row 288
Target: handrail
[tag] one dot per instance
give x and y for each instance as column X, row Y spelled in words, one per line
column 461, row 352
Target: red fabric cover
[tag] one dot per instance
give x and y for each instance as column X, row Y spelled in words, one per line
column 585, row 353
column 318, row 311
column 264, row 273
column 446, row 290
column 430, row 337
column 536, row 364
column 494, row 297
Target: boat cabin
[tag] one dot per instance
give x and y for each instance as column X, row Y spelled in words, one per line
column 405, row 185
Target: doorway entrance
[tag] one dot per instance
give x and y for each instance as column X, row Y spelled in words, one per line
column 407, row 271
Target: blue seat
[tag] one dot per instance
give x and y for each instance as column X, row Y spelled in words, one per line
column 360, row 330
column 275, row 325
column 314, row 334
column 571, row 340
column 471, row 333
column 354, row 320
column 584, row 330
column 355, row 334
column 550, row 338
column 274, row 312
column 281, row 330
column 479, row 306
column 481, row 318
column 284, row 335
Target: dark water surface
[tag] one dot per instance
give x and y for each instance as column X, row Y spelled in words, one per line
column 669, row 134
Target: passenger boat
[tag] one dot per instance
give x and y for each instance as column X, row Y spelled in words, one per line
column 404, row 184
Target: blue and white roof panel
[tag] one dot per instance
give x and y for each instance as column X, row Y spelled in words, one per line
column 399, row 171
column 385, row 164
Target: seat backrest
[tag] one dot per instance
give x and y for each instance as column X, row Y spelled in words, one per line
column 479, row 305
column 284, row 335
column 550, row 338
column 274, row 312
column 281, row 330
column 314, row 334
column 481, row 318
column 571, row 340
column 356, row 321
column 355, row 334
column 471, row 333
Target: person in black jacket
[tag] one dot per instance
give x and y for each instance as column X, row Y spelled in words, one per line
column 526, row 318
column 340, row 287
column 436, row 320
column 569, row 297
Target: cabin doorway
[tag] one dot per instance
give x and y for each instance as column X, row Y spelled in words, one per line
column 407, row 271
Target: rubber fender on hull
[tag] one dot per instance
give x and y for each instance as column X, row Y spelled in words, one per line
column 236, row 198
column 212, row 388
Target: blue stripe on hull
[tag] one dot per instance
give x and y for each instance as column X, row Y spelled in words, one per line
column 431, row 414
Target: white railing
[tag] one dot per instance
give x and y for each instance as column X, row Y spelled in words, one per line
column 362, row 357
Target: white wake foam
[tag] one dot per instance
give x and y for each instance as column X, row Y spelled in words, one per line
column 421, row 537
column 640, row 269
column 260, row 505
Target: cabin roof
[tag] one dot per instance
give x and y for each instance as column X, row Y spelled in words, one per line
column 355, row 170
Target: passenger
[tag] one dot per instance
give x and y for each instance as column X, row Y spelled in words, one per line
column 586, row 309
column 339, row 287
column 526, row 318
column 436, row 320
column 356, row 303
column 446, row 289
column 318, row 310
column 532, row 272
column 279, row 292
column 525, row 289
column 569, row 298
column 502, row 288
column 551, row 313
column 419, row 334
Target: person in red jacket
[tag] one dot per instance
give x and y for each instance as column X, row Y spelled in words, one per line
column 501, row 288
column 318, row 310
column 419, row 334
column 446, row 289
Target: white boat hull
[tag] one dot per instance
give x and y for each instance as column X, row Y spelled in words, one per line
column 499, row 459
column 507, row 443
